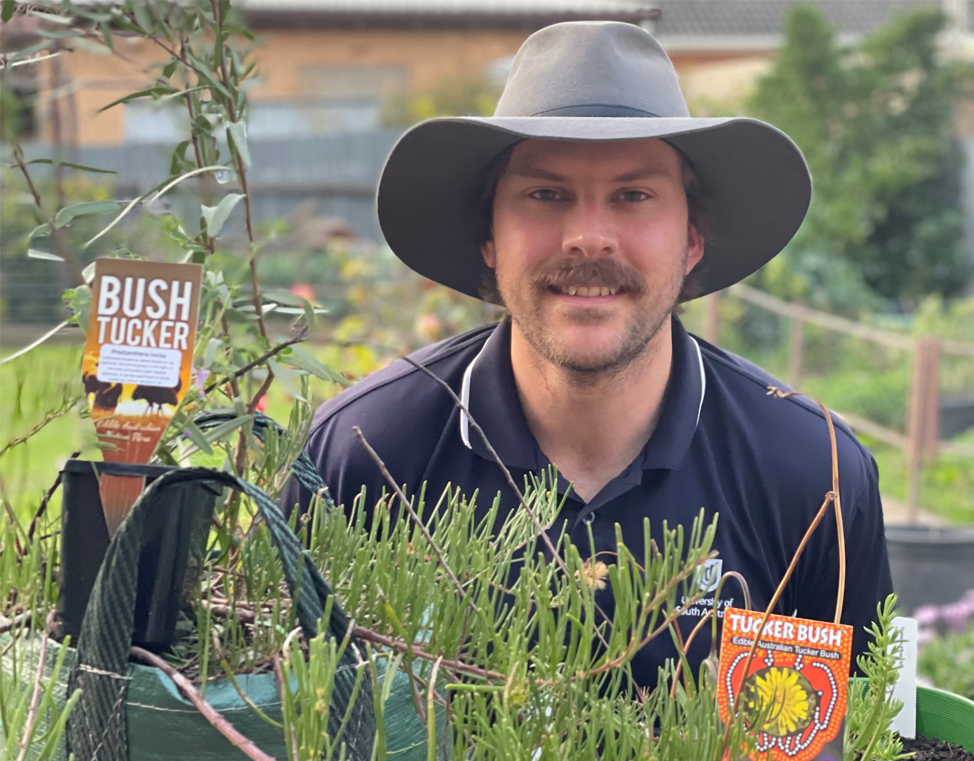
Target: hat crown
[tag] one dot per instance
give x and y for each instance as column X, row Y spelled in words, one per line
column 592, row 68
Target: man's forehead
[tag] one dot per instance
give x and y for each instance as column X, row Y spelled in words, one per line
column 626, row 158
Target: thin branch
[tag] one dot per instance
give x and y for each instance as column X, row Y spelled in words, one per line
column 280, row 691
column 409, row 509
column 19, row 158
column 48, row 418
column 34, row 699
column 42, row 507
column 6, row 624
column 556, row 556
column 219, row 723
column 403, row 647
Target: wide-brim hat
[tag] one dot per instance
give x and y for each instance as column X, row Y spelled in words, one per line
column 588, row 80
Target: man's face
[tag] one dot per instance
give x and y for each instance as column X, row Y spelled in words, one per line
column 591, row 244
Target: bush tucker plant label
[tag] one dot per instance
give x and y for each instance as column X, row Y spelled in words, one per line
column 137, row 363
column 793, row 692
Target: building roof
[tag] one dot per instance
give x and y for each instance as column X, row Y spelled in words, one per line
column 721, row 23
column 433, row 13
column 767, row 17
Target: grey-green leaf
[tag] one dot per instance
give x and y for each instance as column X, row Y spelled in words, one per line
column 198, row 437
column 238, row 130
column 82, row 167
column 33, row 253
column 224, row 428
column 216, row 216
column 304, row 360
column 87, row 208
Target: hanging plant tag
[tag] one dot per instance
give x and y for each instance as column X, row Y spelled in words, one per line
column 137, row 363
column 794, row 690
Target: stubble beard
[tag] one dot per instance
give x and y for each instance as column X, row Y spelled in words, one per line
column 655, row 308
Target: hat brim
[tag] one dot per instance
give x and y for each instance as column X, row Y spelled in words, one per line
column 753, row 176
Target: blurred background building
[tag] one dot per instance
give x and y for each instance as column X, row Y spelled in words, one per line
column 338, row 81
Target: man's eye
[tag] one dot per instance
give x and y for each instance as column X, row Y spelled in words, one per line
column 545, row 194
column 633, row 196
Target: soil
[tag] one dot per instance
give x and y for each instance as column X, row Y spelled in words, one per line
column 935, row 750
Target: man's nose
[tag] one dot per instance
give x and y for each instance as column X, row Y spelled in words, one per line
column 589, row 231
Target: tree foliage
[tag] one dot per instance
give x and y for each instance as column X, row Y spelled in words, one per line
column 874, row 122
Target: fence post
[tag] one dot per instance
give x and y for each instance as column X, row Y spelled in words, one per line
column 923, row 422
column 712, row 327
column 796, row 344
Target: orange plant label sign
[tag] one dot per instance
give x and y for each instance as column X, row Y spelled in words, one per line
column 137, row 363
column 794, row 690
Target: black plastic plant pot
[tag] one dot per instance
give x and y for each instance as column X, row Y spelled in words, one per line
column 931, row 565
column 168, row 539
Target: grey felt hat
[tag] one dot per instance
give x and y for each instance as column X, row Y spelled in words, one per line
column 588, row 80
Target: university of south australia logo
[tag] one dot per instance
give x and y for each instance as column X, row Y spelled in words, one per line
column 707, row 576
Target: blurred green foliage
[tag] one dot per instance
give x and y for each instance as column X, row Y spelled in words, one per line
column 460, row 96
column 874, row 123
column 948, row 661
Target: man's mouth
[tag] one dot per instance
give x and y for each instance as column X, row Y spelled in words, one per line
column 589, row 291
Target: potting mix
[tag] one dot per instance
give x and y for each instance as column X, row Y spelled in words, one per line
column 793, row 687
column 137, row 364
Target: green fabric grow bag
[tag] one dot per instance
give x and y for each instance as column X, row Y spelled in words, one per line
column 163, row 725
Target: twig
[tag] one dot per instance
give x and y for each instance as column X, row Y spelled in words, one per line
column 280, row 691
column 409, row 508
column 42, row 507
column 6, row 624
column 19, row 158
column 241, row 614
column 252, row 406
column 510, row 481
column 219, row 723
column 32, row 714
column 686, row 649
column 397, row 644
column 48, row 418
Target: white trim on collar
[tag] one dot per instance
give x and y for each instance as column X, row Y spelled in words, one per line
column 703, row 378
column 465, row 399
column 468, row 373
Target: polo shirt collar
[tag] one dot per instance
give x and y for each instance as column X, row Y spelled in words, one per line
column 488, row 390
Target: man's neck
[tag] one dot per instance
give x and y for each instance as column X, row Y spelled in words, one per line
column 593, row 430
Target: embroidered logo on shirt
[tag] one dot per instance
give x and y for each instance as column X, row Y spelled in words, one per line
column 707, row 577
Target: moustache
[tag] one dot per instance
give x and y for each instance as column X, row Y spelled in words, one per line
column 602, row 272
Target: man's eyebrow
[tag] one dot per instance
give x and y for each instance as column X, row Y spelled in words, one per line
column 537, row 173
column 643, row 173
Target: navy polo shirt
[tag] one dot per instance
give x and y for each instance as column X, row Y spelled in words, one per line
column 722, row 444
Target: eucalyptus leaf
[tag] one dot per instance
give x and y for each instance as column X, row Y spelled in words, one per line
column 7, row 11
column 33, row 253
column 84, row 209
column 304, row 360
column 198, row 437
column 216, row 216
column 82, row 167
column 223, row 429
column 151, row 92
column 212, row 347
column 41, row 231
column 238, row 130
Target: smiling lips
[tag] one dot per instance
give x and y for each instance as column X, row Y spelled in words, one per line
column 595, row 290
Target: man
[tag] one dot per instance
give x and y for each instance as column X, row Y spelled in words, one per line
column 591, row 205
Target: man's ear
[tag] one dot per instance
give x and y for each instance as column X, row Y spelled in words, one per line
column 489, row 251
column 695, row 247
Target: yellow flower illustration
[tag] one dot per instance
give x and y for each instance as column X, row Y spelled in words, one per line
column 781, row 697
